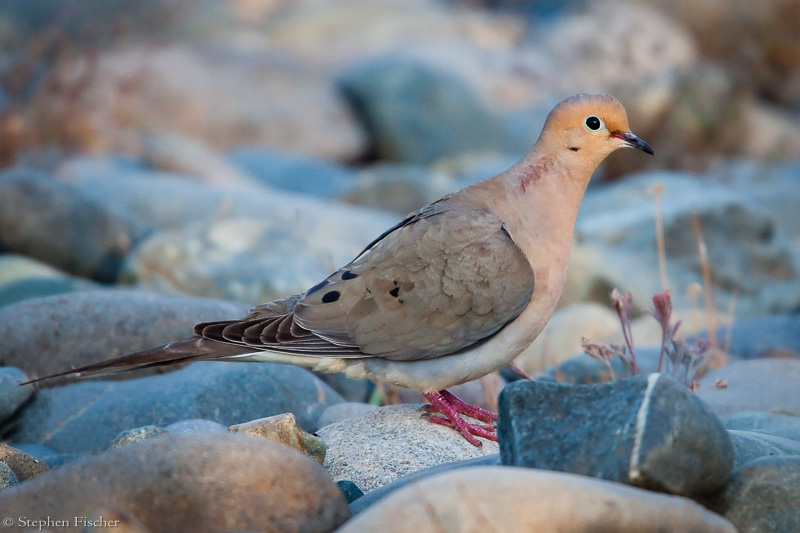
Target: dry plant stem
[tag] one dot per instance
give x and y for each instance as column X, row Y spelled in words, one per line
column 662, row 249
column 711, row 319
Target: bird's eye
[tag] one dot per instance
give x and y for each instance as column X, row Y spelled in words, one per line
column 594, row 122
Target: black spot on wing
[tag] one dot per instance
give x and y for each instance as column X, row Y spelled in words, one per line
column 395, row 292
column 348, row 275
column 330, row 297
column 574, row 148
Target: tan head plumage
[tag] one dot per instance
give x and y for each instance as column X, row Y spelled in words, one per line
column 589, row 125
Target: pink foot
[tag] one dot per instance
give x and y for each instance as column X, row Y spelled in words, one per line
column 452, row 408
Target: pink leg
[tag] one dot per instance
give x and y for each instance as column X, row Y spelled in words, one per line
column 452, row 407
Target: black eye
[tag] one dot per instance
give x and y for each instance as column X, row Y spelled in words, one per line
column 593, row 123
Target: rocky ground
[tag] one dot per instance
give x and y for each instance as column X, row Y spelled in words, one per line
column 191, row 159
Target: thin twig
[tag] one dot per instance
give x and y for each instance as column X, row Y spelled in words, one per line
column 711, row 317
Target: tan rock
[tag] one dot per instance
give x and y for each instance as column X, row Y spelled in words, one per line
column 501, row 498
column 283, row 428
column 22, row 464
column 193, row 482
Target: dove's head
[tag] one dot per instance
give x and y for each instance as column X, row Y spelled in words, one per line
column 588, row 127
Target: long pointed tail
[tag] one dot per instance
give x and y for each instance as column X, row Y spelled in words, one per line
column 186, row 350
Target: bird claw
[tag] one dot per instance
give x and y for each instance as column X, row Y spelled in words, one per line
column 452, row 407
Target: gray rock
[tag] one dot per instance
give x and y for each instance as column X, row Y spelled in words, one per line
column 502, row 498
column 373, row 496
column 195, row 425
column 756, row 385
column 419, row 113
column 86, row 417
column 15, row 267
column 762, row 496
column 203, row 483
column 780, row 425
column 86, row 327
column 756, row 337
column 223, row 86
column 135, row 435
column 52, row 222
column 12, row 396
column 24, row 465
column 390, row 442
column 649, row 432
column 350, row 490
column 305, row 175
column 7, row 477
column 342, row 411
column 747, row 254
column 48, row 456
column 26, row 289
column 749, row 445
column 398, row 187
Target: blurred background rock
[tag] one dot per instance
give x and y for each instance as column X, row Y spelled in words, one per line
column 243, row 149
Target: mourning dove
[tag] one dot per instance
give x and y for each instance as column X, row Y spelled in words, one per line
column 453, row 292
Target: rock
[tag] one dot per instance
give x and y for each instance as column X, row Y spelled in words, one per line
column 255, row 260
column 756, row 385
column 352, row 390
column 11, row 293
column 300, row 174
column 350, row 490
column 519, row 499
column 582, row 369
column 616, row 247
column 195, row 425
column 749, row 445
column 48, row 456
column 648, row 432
column 398, row 187
column 137, row 434
column 77, row 235
column 86, row 327
column 86, row 417
column 390, row 442
column 418, row 113
column 380, row 493
column 342, row 411
column 214, row 93
column 15, row 267
column 23, row 465
column 7, row 477
column 780, row 425
column 762, row 496
column 561, row 337
column 283, row 428
column 12, row 396
column 191, row 483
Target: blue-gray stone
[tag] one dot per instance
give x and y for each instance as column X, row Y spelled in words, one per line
column 7, row 477
column 303, row 174
column 48, row 335
column 762, row 496
column 26, row 289
column 53, row 222
column 195, row 425
column 12, row 396
column 419, row 113
column 749, row 445
column 86, row 417
column 350, row 490
column 780, row 425
column 649, row 432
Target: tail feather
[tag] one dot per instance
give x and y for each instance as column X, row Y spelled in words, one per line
column 186, row 350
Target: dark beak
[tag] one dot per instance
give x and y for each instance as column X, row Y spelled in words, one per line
column 634, row 142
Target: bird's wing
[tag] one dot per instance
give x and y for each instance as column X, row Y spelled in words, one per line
column 438, row 282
